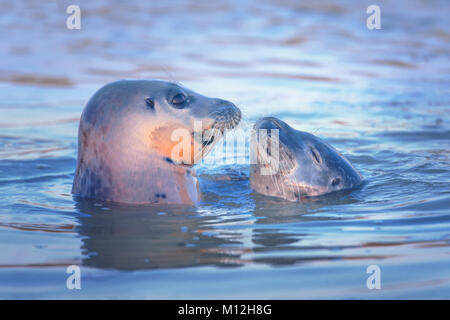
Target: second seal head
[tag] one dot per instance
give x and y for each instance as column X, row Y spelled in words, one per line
column 300, row 165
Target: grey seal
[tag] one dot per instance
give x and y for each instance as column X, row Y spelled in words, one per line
column 305, row 165
column 126, row 141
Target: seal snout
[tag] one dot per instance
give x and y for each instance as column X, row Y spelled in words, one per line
column 227, row 115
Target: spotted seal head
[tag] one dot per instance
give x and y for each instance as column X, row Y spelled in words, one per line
column 303, row 166
column 129, row 141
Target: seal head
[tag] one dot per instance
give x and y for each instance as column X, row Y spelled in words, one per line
column 302, row 164
column 138, row 140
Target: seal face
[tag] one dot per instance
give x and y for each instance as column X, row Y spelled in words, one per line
column 138, row 139
column 303, row 165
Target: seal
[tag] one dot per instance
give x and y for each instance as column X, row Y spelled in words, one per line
column 291, row 164
column 129, row 140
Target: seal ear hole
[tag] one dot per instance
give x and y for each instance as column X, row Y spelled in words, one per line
column 150, row 103
column 315, row 155
column 335, row 181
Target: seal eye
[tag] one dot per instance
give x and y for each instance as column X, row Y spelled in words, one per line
column 315, row 155
column 150, row 103
column 335, row 181
column 178, row 101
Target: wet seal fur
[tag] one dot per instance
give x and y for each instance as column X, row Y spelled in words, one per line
column 125, row 146
column 307, row 166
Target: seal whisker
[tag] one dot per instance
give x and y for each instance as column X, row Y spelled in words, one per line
column 284, row 170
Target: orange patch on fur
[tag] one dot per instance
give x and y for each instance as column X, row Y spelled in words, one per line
column 175, row 142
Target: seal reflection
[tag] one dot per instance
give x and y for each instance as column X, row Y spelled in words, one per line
column 148, row 237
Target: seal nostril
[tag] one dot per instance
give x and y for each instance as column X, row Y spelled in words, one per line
column 207, row 143
column 335, row 181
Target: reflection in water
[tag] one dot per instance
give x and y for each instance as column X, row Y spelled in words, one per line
column 287, row 237
column 148, row 237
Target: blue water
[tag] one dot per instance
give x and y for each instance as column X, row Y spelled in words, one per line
column 381, row 97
